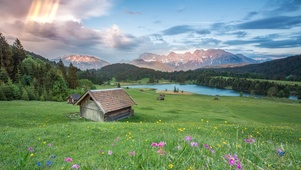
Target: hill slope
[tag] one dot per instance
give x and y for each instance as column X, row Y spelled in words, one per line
column 275, row 69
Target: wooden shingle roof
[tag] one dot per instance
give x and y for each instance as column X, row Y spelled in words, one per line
column 110, row 99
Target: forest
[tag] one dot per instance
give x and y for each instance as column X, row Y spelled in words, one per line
column 27, row 76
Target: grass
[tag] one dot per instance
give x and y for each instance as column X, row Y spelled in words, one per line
column 55, row 132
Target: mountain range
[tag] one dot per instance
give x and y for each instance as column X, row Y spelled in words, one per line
column 191, row 61
column 168, row 63
column 83, row 62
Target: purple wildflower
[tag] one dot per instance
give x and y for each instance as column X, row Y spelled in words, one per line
column 206, row 146
column 30, row 149
column 110, row 152
column 188, row 138
column 250, row 140
column 161, row 144
column 280, row 152
column 68, row 159
column 154, row 144
column 239, row 166
column 194, row 144
column 75, row 166
column 231, row 161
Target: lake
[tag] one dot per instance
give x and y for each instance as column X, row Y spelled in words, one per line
column 197, row 89
column 191, row 88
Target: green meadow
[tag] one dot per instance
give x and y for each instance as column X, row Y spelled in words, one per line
column 181, row 132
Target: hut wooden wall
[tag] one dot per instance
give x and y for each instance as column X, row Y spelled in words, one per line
column 119, row 114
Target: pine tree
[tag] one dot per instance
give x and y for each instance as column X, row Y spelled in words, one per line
column 72, row 77
column 4, row 76
column 6, row 60
column 18, row 56
column 62, row 69
column 2, row 95
column 25, row 95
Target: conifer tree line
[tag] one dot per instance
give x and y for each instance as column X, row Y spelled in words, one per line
column 23, row 77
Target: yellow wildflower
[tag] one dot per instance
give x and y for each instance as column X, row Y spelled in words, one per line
column 170, row 166
column 31, row 154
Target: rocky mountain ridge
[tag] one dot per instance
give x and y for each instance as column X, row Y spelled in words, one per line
column 83, row 62
column 190, row 61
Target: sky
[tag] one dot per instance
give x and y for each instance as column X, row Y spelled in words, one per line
column 121, row 30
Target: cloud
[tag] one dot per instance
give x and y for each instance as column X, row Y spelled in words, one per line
column 269, row 41
column 133, row 13
column 286, row 43
column 115, row 38
column 181, row 9
column 240, row 34
column 203, row 32
column 282, row 6
column 278, row 22
column 182, row 29
column 179, row 29
column 157, row 22
column 250, row 15
column 156, row 39
column 221, row 27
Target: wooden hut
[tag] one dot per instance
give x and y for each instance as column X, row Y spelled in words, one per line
column 73, row 98
column 106, row 105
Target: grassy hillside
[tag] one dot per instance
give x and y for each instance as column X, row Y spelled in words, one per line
column 196, row 131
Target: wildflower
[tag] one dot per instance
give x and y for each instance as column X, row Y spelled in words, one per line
column 179, row 147
column 31, row 154
column 44, row 143
column 132, row 153
column 75, row 166
column 101, row 152
column 161, row 152
column 50, row 144
column 231, row 161
column 110, row 152
column 206, row 146
column 239, row 166
column 154, row 144
column 30, row 149
column 280, row 152
column 188, row 138
column 170, row 166
column 194, row 144
column 250, row 140
column 38, row 163
column 68, row 160
column 161, row 144
column 48, row 163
